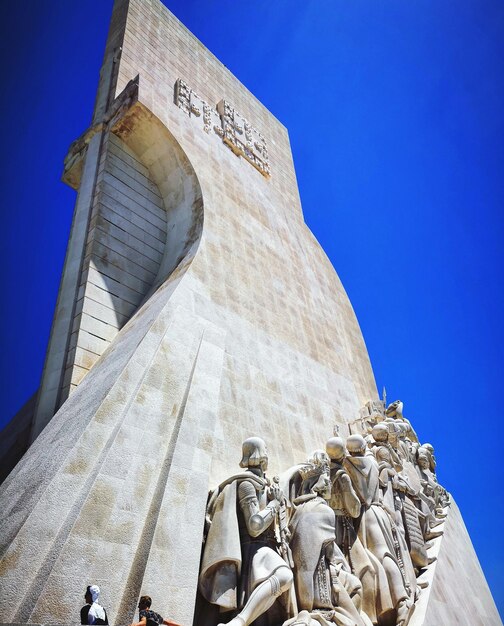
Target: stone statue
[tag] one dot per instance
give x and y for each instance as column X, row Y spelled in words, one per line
column 326, row 591
column 344, row 501
column 389, row 465
column 432, row 458
column 370, row 414
column 432, row 490
column 444, row 499
column 242, row 570
column 347, row 507
column 336, row 540
column 394, row 411
column 376, row 532
column 397, row 498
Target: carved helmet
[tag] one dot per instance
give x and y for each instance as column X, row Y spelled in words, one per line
column 335, row 448
column 356, row 444
column 254, row 453
column 380, row 432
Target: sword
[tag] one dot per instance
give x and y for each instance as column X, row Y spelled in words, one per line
column 285, row 550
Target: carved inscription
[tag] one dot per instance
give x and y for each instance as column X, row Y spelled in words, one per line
column 225, row 122
column 243, row 138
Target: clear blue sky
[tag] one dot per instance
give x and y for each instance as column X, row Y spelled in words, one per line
column 395, row 111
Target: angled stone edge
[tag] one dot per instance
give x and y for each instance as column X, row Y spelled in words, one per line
column 74, row 160
column 426, row 579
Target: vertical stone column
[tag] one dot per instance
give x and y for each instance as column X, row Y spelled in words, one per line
column 54, row 367
column 52, row 382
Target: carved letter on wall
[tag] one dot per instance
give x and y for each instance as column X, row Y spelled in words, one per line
column 234, row 130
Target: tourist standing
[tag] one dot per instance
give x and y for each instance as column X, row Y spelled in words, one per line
column 148, row 617
column 92, row 612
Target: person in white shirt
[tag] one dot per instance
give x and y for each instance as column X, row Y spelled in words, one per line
column 92, row 612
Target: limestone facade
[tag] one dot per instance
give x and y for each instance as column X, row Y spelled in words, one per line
column 238, row 325
column 196, row 309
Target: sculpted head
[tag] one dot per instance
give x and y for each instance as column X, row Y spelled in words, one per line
column 315, row 475
column 423, row 459
column 429, row 447
column 394, row 408
column 319, row 459
column 380, row 432
column 356, row 445
column 395, row 428
column 323, row 485
column 254, row 453
column 335, row 448
column 401, row 429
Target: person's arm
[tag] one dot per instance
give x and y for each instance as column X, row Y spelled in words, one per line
column 142, row 622
column 84, row 613
column 170, row 623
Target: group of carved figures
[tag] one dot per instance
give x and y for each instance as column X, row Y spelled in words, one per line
column 338, row 539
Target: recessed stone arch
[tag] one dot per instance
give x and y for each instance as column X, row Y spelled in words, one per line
column 147, row 221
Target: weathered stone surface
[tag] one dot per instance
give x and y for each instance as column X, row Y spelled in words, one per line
column 458, row 591
column 196, row 309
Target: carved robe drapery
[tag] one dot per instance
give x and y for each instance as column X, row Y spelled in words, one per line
column 222, row 555
column 375, row 532
column 320, row 583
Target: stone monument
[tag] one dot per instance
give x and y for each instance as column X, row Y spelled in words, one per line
column 196, row 312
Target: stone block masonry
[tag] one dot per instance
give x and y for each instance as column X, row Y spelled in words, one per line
column 196, row 309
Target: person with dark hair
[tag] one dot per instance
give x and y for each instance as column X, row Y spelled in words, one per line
column 148, row 617
column 92, row 612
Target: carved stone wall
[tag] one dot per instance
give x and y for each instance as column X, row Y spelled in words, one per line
column 459, row 592
column 124, row 250
column 245, row 329
column 295, row 358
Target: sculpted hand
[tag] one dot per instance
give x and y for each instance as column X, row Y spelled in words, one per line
column 274, row 492
column 274, row 504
